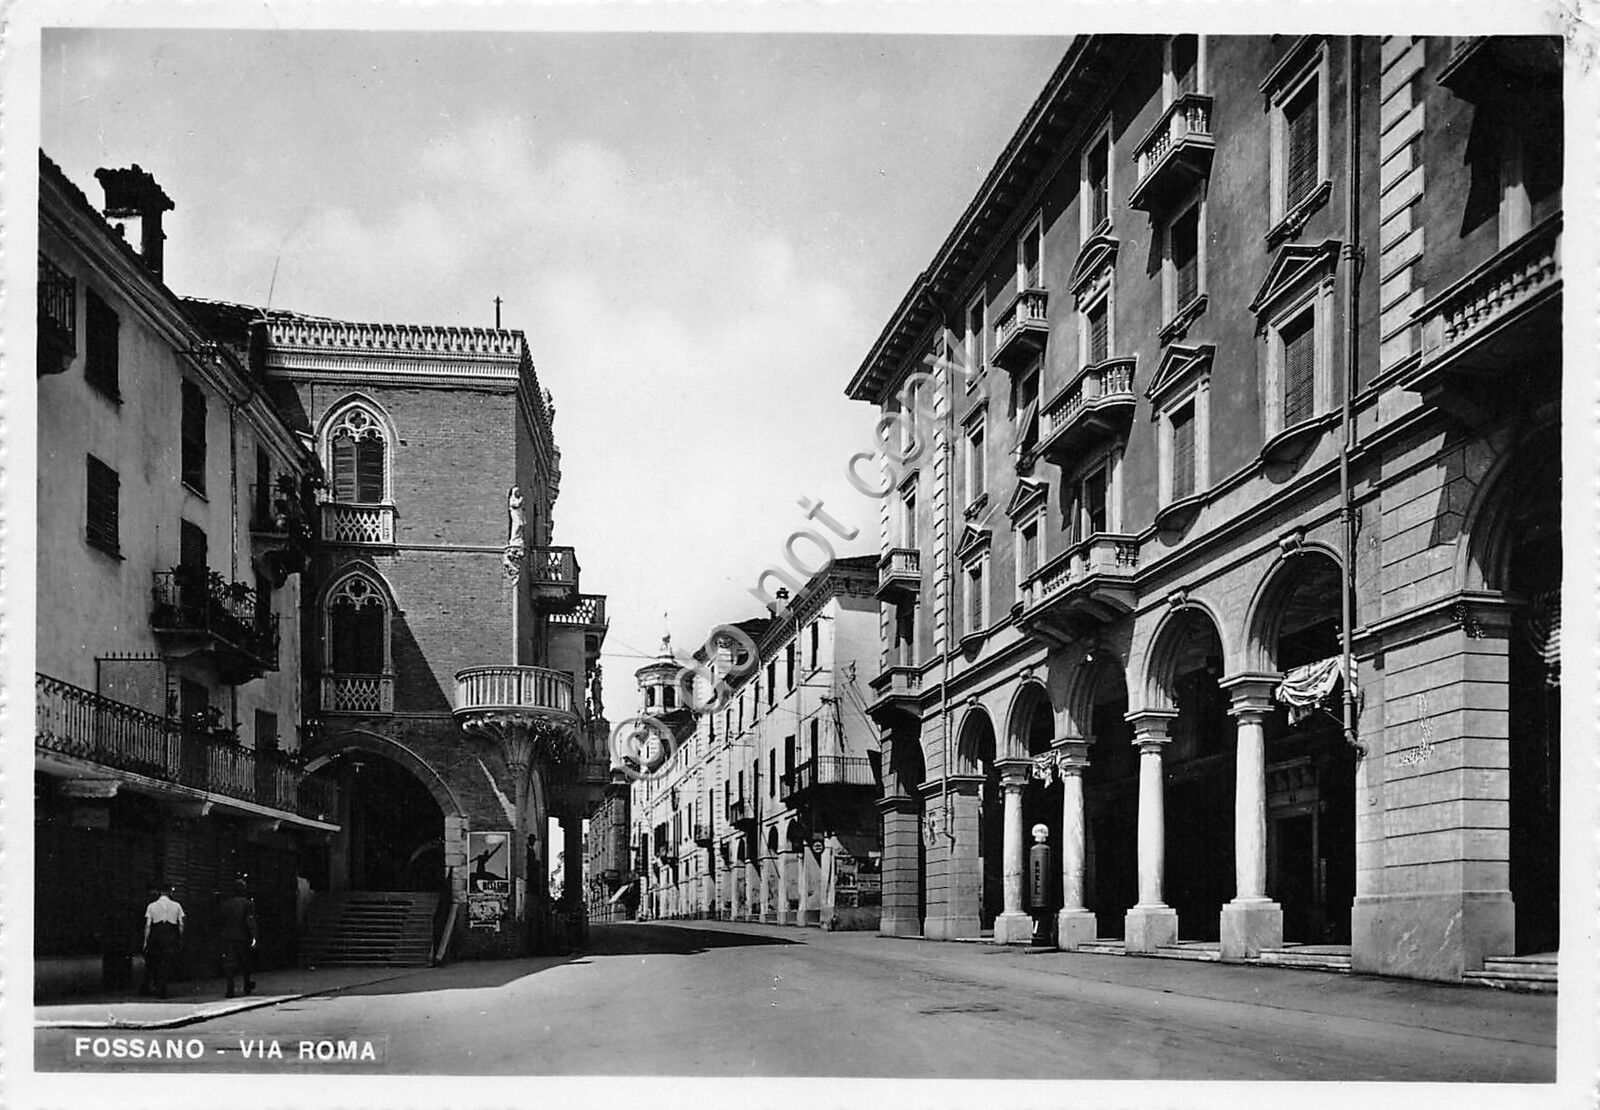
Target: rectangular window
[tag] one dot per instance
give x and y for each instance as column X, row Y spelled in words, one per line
column 974, row 341
column 266, row 731
column 772, row 773
column 104, row 488
column 1094, row 503
column 1097, row 181
column 908, row 528
column 975, row 475
column 1028, row 550
column 193, row 700
column 788, row 665
column 772, row 683
column 101, row 345
column 816, row 640
column 788, row 757
column 1097, row 339
column 1184, row 240
column 814, row 733
column 1030, row 253
column 1299, row 339
column 263, row 491
column 1301, row 155
column 1185, row 64
column 975, row 598
column 192, row 546
column 194, row 437
column 1183, row 458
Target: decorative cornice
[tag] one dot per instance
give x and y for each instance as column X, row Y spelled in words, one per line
column 1029, row 494
column 1177, row 366
column 1095, row 260
column 1295, row 264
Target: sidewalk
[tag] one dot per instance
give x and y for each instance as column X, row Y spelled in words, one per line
column 204, row 999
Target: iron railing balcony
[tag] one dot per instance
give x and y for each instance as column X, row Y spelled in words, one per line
column 358, row 693
column 195, row 610
column 589, row 614
column 58, row 318
column 1496, row 326
column 1095, row 406
column 529, row 693
column 73, row 726
column 553, row 578
column 1174, row 155
column 357, row 524
column 741, row 813
column 1021, row 330
column 1087, row 585
column 702, row 835
column 899, row 574
column 828, row 776
column 1494, row 67
column 898, row 689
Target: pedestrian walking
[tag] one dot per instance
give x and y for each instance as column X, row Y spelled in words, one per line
column 163, row 937
column 237, row 929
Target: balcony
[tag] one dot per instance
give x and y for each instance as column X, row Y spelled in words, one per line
column 1485, row 67
column 899, row 574
column 82, row 735
column 1021, row 331
column 362, row 524
column 701, row 835
column 553, row 579
column 58, row 318
column 667, row 853
column 899, row 690
column 1085, row 586
column 1096, row 405
column 198, row 612
column 530, row 694
column 1175, row 155
column 741, row 814
column 358, row 693
column 829, row 777
column 1495, row 327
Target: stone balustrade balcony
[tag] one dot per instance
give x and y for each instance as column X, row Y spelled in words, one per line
column 515, row 693
column 1087, row 585
column 898, row 691
column 1174, row 155
column 1094, row 406
column 899, row 574
column 1021, row 330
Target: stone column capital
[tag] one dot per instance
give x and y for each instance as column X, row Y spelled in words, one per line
column 1014, row 772
column 1150, row 726
column 1251, row 692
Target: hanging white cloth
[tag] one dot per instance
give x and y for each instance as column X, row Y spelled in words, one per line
column 1304, row 688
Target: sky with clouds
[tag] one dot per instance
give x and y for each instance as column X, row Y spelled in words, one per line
column 701, row 235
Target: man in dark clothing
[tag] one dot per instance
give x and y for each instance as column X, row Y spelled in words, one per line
column 163, row 937
column 237, row 928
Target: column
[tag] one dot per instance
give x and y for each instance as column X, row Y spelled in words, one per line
column 1251, row 921
column 1015, row 924
column 902, row 833
column 1075, row 923
column 786, row 863
column 1151, row 923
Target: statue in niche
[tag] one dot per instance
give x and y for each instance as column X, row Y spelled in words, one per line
column 516, row 534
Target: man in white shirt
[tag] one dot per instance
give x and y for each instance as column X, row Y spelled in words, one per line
column 163, row 934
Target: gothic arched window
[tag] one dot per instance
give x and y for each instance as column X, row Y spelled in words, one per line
column 357, row 627
column 358, row 458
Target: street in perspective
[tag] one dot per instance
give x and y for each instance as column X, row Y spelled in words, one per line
column 773, row 556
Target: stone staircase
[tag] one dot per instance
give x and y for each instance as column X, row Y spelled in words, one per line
column 369, row 927
column 1536, row 974
column 1308, row 957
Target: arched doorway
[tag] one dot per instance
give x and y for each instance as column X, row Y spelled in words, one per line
column 1033, row 731
column 977, row 749
column 1110, row 801
column 1310, row 770
column 1198, row 768
column 392, row 834
column 1532, row 581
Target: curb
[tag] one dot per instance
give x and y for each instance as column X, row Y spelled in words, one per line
column 220, row 1011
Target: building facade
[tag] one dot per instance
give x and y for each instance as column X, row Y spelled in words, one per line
column 765, row 811
column 1247, row 357
column 424, row 688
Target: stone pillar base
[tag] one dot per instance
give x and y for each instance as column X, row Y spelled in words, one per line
column 786, row 917
column 1150, row 927
column 1430, row 936
column 1250, row 926
column 811, row 917
column 899, row 926
column 951, row 928
column 1073, row 928
column 1013, row 928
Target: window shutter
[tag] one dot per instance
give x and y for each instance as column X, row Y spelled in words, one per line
column 194, row 436
column 104, row 488
column 101, row 344
column 1300, row 163
column 192, row 546
column 344, row 470
column 1099, row 159
column 1299, row 371
column 1099, row 348
column 369, row 471
column 1186, row 258
column 1183, row 469
column 1094, row 503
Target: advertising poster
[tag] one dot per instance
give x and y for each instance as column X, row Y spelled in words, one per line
column 488, row 879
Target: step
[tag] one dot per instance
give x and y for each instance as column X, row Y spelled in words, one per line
column 1537, row 983
column 1106, row 946
column 1531, row 965
column 1206, row 952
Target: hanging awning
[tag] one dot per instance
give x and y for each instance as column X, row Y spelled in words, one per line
column 620, row 891
column 1304, row 688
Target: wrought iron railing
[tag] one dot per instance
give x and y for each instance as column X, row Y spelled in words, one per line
column 590, row 612
column 357, row 523
column 554, row 566
column 58, row 302
column 358, row 693
column 72, row 721
column 828, row 770
column 192, row 600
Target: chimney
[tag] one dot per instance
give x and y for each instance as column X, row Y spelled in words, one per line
column 134, row 204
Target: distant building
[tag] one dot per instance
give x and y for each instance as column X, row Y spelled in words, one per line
column 767, row 811
column 1252, row 363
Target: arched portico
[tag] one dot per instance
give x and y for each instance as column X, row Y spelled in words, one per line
column 976, row 756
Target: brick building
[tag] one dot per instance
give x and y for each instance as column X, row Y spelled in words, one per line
column 1249, row 365
column 433, row 676
column 765, row 811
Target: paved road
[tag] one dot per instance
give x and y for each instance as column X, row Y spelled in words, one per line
column 716, row 999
